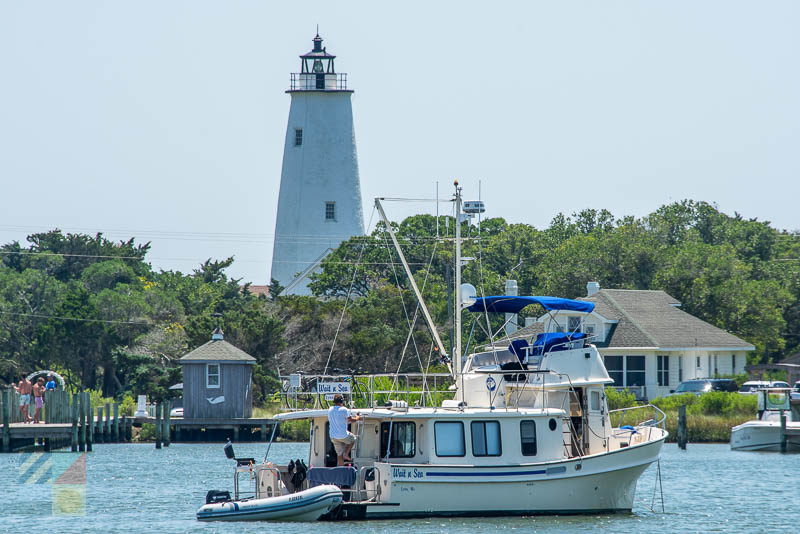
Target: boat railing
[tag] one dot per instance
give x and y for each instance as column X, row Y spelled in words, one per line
column 308, row 391
column 629, row 420
column 360, row 492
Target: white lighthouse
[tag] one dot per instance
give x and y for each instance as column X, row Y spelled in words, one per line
column 320, row 198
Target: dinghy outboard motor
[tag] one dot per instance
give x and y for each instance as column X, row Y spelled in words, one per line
column 215, row 496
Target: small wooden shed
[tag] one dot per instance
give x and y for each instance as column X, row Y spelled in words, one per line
column 217, row 381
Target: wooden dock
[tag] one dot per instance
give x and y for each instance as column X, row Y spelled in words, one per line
column 71, row 421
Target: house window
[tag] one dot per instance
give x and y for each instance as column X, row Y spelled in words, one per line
column 212, row 375
column 716, row 366
column 626, row 371
column 298, row 137
column 403, row 442
column 733, row 364
column 527, row 436
column 330, row 211
column 574, row 324
column 662, row 372
column 486, row 438
column 589, row 330
column 634, row 370
column 449, row 437
column 680, row 369
column 615, row 368
column 698, row 362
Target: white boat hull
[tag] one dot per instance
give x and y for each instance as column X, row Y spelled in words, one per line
column 306, row 505
column 763, row 436
column 602, row 483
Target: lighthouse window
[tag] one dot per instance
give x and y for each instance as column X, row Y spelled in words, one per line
column 486, row 438
column 449, row 438
column 298, row 137
column 330, row 211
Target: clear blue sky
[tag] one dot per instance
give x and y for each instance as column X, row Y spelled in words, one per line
column 165, row 120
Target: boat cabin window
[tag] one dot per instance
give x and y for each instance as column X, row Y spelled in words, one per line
column 449, row 437
column 499, row 357
column 527, row 434
column 486, row 438
column 594, row 401
column 403, row 442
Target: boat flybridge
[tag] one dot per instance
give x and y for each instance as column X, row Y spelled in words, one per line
column 527, row 431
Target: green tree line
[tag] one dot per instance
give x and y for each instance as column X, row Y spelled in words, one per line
column 97, row 312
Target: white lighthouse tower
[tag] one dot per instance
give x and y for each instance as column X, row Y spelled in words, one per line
column 320, row 199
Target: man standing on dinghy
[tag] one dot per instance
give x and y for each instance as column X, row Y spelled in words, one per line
column 343, row 440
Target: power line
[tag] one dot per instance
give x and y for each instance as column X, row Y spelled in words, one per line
column 44, row 316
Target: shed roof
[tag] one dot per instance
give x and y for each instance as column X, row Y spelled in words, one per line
column 218, row 350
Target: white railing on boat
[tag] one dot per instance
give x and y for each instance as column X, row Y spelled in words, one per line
column 304, row 391
column 657, row 420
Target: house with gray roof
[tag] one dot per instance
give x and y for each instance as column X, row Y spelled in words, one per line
column 217, row 381
column 648, row 343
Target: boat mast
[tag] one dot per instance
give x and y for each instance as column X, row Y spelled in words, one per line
column 457, row 304
column 417, row 292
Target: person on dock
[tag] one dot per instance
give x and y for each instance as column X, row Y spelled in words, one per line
column 51, row 384
column 24, row 388
column 38, row 397
column 342, row 439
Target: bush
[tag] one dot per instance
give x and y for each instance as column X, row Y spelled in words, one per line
column 147, row 432
column 671, row 403
column 128, row 405
column 296, row 430
column 620, row 398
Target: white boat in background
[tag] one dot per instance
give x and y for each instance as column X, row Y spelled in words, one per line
column 527, row 430
column 765, row 433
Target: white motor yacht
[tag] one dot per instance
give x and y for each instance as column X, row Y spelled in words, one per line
column 765, row 433
column 527, row 430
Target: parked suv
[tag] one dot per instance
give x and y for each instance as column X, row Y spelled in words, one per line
column 699, row 386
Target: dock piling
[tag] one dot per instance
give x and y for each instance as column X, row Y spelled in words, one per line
column 7, row 420
column 116, row 423
column 682, row 432
column 165, row 433
column 89, row 426
column 107, row 424
column 783, row 432
column 158, row 425
column 98, row 424
column 81, row 422
column 74, row 414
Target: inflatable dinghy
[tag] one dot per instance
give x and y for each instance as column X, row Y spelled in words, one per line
column 306, row 505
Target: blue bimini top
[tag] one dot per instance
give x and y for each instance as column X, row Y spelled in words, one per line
column 511, row 304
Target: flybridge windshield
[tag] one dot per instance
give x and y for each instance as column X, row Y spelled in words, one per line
column 510, row 304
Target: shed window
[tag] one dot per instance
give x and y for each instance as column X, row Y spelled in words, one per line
column 527, row 435
column 449, row 437
column 486, row 438
column 403, row 442
column 330, row 211
column 212, row 375
column 298, row 137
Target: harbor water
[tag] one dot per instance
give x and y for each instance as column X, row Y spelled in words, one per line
column 136, row 488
